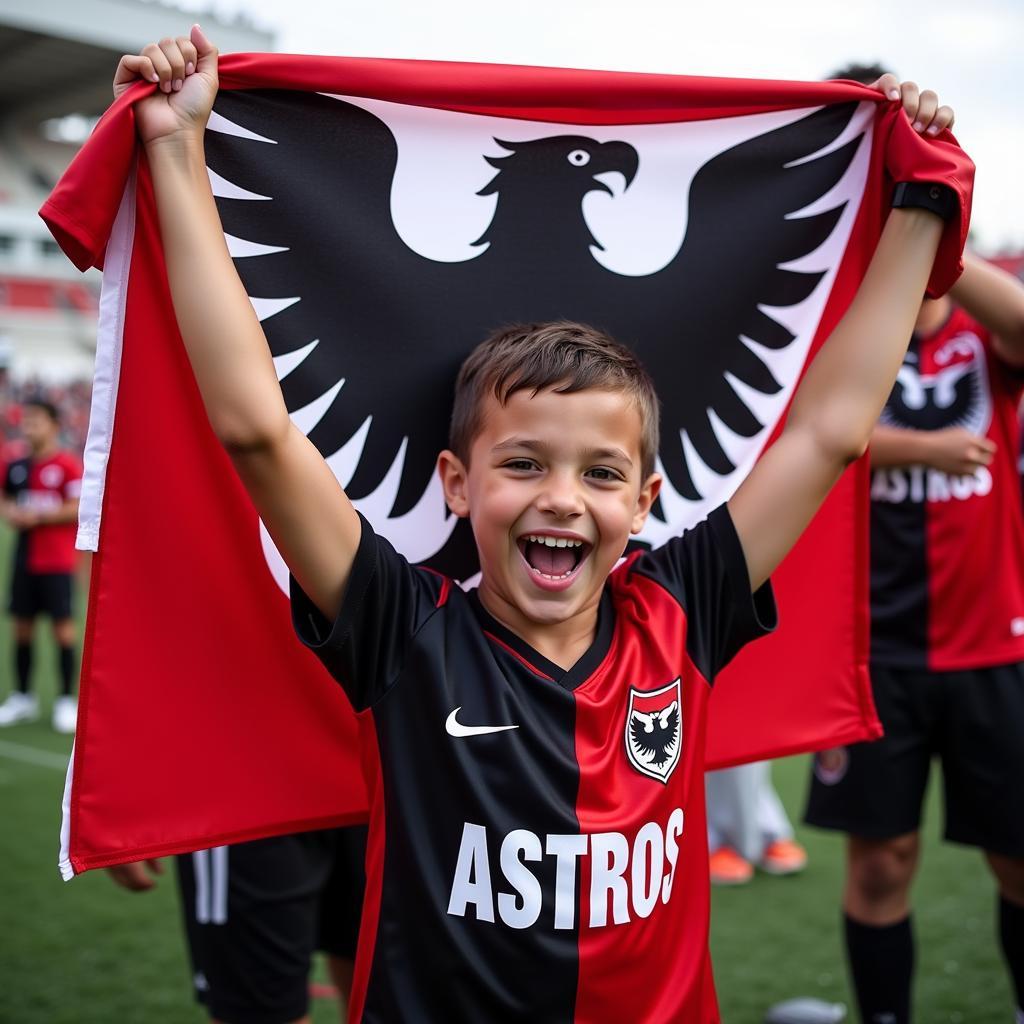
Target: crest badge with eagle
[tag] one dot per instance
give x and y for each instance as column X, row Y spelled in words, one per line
column 654, row 730
column 947, row 387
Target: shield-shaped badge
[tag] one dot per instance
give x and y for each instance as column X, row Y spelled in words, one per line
column 654, row 730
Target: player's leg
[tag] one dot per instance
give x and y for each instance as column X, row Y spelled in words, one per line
column 21, row 705
column 781, row 854
column 341, row 907
column 733, row 841
column 58, row 602
column 250, row 919
column 874, row 793
column 983, row 763
column 1009, row 872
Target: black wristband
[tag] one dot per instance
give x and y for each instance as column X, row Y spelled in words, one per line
column 926, row 195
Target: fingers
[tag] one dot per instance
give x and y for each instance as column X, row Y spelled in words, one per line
column 922, row 107
column 131, row 877
column 167, row 63
column 176, row 60
column 188, row 53
column 910, row 96
column 131, row 68
column 943, row 119
column 981, row 452
column 156, row 866
column 927, row 105
column 160, row 64
column 205, row 49
column 888, row 85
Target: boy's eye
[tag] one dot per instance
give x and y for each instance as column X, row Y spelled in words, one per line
column 603, row 473
column 519, row 464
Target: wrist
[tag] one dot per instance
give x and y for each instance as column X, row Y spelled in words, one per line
column 182, row 145
column 932, row 196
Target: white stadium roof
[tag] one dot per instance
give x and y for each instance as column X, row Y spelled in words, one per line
column 58, row 57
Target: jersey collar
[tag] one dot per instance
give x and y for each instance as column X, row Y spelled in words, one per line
column 535, row 661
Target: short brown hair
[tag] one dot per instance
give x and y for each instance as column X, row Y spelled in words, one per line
column 561, row 355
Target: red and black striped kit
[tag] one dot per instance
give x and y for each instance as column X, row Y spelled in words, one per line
column 537, row 838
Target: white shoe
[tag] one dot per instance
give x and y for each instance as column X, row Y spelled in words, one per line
column 65, row 714
column 19, row 707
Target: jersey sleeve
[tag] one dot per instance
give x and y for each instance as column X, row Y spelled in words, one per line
column 72, row 486
column 386, row 603
column 705, row 570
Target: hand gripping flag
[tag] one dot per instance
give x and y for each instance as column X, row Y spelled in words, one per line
column 384, row 216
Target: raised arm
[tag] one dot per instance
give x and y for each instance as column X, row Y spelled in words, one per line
column 840, row 397
column 300, row 501
column 842, row 393
column 994, row 299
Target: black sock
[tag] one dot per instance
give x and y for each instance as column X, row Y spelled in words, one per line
column 881, row 968
column 67, row 670
column 23, row 665
column 1011, row 937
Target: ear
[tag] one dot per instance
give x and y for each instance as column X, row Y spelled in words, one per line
column 648, row 492
column 454, row 480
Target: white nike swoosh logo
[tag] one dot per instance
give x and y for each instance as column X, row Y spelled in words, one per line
column 456, row 728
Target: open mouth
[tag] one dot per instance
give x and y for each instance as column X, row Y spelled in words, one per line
column 554, row 559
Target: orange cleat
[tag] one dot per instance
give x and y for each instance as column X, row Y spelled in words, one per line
column 783, row 857
column 729, row 868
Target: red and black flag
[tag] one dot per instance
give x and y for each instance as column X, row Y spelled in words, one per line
column 384, row 216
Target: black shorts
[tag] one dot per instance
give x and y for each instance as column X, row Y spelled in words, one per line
column 40, row 593
column 256, row 912
column 972, row 720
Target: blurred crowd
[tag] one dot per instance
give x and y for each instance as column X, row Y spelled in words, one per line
column 72, row 399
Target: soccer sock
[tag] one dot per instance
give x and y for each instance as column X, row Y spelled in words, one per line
column 1011, row 937
column 881, row 968
column 23, row 665
column 67, row 670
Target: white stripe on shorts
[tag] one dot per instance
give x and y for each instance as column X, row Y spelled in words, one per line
column 219, row 890
column 201, row 869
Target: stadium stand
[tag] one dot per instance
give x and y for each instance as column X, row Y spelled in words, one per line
column 56, row 63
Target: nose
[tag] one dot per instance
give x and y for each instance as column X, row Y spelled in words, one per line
column 561, row 496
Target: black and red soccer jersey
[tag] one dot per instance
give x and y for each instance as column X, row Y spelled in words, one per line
column 537, row 845
column 43, row 485
column 947, row 553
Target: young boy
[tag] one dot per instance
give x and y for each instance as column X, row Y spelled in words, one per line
column 40, row 500
column 532, row 750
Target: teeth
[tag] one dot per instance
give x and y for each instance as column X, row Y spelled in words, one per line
column 548, row 576
column 555, row 542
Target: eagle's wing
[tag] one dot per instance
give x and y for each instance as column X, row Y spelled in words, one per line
column 716, row 296
column 343, row 315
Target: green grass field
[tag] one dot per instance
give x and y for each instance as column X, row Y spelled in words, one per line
column 86, row 952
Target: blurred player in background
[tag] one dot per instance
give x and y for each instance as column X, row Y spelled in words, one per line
column 748, row 826
column 40, row 501
column 255, row 913
column 947, row 644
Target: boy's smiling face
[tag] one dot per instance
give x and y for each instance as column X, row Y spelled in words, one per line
column 549, row 470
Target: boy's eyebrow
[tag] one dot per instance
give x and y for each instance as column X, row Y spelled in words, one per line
column 519, row 443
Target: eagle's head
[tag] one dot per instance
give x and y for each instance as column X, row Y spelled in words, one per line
column 540, row 186
column 568, row 164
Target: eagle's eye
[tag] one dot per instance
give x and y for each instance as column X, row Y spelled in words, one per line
column 579, row 158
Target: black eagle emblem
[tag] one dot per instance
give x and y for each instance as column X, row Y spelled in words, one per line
column 956, row 396
column 377, row 331
column 656, row 734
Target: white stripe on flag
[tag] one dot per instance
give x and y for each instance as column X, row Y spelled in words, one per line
column 109, row 338
column 219, row 891
column 67, row 872
column 201, row 867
